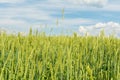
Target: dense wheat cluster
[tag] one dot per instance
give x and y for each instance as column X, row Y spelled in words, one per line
column 41, row 57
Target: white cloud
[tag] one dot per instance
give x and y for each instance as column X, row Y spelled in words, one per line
column 10, row 1
column 112, row 7
column 82, row 29
column 109, row 28
column 11, row 22
column 75, row 21
column 96, row 3
column 12, row 25
column 83, row 5
column 24, row 13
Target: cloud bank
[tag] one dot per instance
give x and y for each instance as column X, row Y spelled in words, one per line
column 109, row 28
column 96, row 3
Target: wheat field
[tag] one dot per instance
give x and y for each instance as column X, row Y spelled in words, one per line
column 41, row 57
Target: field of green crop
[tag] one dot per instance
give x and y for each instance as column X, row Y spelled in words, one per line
column 41, row 57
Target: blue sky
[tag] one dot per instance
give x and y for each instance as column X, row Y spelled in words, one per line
column 80, row 16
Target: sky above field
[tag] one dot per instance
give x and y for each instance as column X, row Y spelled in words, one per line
column 61, row 16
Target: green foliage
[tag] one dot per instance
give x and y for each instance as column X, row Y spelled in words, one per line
column 41, row 57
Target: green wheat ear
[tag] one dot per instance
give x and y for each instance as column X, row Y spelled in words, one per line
column 63, row 13
column 30, row 31
column 57, row 22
